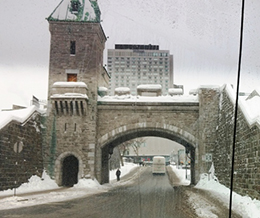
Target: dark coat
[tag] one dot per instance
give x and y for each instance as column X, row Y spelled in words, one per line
column 118, row 172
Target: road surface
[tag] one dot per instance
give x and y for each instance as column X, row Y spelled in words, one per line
column 147, row 195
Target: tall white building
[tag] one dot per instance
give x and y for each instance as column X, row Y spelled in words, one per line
column 132, row 65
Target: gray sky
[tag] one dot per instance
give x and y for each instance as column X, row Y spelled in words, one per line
column 203, row 36
column 24, row 51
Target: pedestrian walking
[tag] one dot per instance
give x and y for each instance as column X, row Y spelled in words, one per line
column 118, row 173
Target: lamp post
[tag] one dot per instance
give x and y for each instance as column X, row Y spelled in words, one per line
column 187, row 151
column 18, row 147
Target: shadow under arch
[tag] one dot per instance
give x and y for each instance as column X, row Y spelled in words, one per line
column 108, row 146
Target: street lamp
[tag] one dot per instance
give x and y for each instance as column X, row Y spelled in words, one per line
column 187, row 152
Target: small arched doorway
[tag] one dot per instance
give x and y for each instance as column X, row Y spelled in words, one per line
column 70, row 169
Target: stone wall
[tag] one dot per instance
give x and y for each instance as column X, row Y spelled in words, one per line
column 247, row 161
column 222, row 151
column 17, row 167
column 118, row 122
column 207, row 127
column 88, row 60
column 74, row 133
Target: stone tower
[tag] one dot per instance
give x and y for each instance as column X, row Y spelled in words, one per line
column 75, row 73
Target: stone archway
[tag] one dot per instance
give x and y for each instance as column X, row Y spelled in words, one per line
column 70, row 169
column 107, row 146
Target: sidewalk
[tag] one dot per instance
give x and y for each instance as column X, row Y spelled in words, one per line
column 43, row 191
column 29, row 194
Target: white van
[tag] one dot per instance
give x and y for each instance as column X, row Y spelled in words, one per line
column 159, row 165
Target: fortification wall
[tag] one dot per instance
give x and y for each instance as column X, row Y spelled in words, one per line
column 247, row 161
column 18, row 164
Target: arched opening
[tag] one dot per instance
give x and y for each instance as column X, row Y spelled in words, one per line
column 70, row 169
column 107, row 147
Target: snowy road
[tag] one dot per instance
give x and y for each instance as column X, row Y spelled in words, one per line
column 148, row 196
column 138, row 194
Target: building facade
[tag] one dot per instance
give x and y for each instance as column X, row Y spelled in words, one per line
column 133, row 65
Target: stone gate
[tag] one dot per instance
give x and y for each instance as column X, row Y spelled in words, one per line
column 121, row 121
column 83, row 127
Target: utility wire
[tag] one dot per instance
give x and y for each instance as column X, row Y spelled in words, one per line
column 236, row 106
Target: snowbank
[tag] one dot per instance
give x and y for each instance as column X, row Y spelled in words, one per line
column 34, row 184
column 181, row 174
column 243, row 205
column 35, row 187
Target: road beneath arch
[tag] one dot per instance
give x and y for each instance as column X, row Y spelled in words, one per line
column 147, row 195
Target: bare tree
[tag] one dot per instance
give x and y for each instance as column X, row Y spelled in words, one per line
column 123, row 148
column 134, row 143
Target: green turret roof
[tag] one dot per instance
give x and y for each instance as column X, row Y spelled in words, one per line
column 76, row 10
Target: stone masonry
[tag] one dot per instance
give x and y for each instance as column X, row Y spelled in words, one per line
column 71, row 123
column 119, row 122
column 17, row 167
column 247, row 159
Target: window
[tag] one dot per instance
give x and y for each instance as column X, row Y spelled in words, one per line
column 72, row 77
column 72, row 47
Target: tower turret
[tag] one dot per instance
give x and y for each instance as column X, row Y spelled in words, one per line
column 75, row 73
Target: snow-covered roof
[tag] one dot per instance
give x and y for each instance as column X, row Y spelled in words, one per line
column 70, row 95
column 193, row 91
column 175, row 91
column 150, row 87
column 69, row 84
column 21, row 115
column 132, row 98
column 256, row 92
column 102, row 89
column 249, row 107
column 76, row 10
column 122, row 89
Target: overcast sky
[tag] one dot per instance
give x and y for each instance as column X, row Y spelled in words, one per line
column 203, row 36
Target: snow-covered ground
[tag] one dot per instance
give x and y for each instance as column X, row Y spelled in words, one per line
column 247, row 207
column 33, row 191
column 243, row 205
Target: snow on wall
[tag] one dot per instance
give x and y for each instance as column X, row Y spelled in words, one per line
column 122, row 89
column 132, row 98
column 70, row 95
column 102, row 89
column 175, row 91
column 69, row 84
column 150, row 86
column 249, row 108
column 21, row 115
